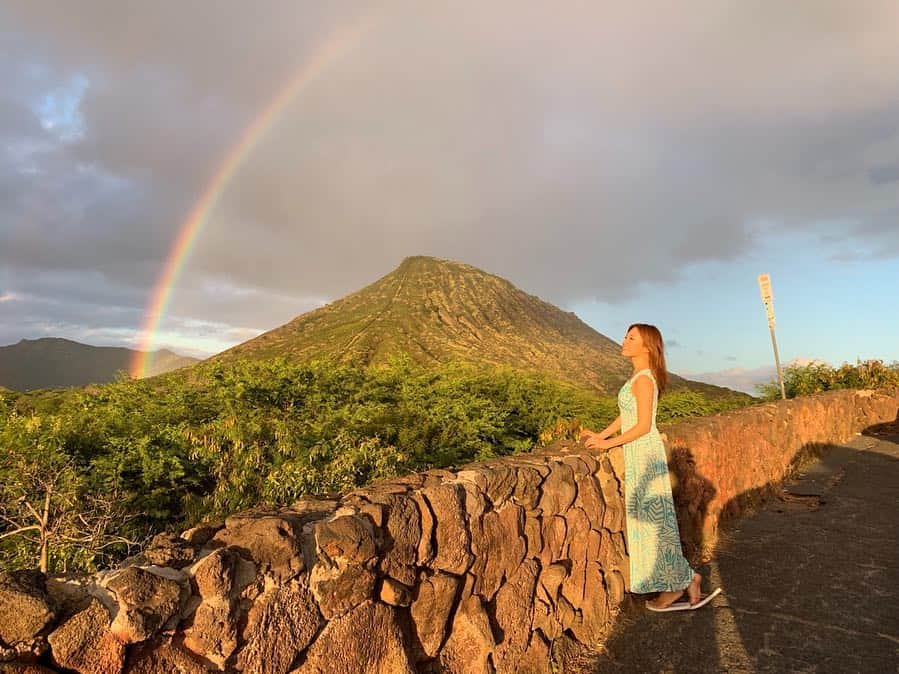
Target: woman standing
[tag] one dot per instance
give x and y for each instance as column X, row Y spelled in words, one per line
column 657, row 563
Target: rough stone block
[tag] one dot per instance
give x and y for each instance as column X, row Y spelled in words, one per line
column 431, row 609
column 339, row 589
column 426, row 542
column 553, row 534
column 403, row 536
column 453, row 553
column 280, row 626
column 470, row 642
column 156, row 657
column 501, row 547
column 146, row 601
column 272, row 542
column 345, row 539
column 395, row 593
column 513, row 615
column 527, row 486
column 366, row 639
column 84, row 643
column 24, row 606
column 577, row 539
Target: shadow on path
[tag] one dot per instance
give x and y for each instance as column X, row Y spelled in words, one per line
column 811, row 580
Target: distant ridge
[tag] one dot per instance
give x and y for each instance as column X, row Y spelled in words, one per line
column 53, row 362
column 436, row 310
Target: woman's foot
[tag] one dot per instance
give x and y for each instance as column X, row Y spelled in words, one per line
column 665, row 599
column 693, row 590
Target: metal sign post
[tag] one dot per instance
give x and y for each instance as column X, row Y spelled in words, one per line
column 768, row 301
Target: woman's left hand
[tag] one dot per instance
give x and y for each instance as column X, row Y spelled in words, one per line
column 595, row 442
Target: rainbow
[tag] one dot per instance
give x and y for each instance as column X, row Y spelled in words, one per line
column 199, row 214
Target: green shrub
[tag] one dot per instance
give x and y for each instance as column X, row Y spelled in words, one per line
column 800, row 380
column 137, row 457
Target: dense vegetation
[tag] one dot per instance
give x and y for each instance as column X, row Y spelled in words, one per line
column 87, row 474
column 800, row 380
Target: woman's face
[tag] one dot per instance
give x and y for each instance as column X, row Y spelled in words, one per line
column 632, row 344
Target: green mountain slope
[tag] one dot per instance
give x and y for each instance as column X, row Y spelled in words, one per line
column 439, row 310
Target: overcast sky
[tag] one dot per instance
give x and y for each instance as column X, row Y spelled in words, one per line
column 627, row 164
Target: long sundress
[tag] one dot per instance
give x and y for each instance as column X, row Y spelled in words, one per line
column 657, row 562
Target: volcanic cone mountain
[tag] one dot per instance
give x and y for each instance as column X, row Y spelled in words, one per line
column 439, row 310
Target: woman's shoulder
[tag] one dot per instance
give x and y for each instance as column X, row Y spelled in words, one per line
column 643, row 375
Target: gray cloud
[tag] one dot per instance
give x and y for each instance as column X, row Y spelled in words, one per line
column 91, row 309
column 582, row 152
column 882, row 175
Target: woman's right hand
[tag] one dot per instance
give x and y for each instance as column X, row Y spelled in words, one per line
column 594, row 441
column 587, row 434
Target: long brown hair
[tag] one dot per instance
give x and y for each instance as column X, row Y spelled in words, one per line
column 652, row 339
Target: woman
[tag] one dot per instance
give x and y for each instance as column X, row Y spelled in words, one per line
column 657, row 563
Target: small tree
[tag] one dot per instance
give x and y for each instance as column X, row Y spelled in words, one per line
column 44, row 503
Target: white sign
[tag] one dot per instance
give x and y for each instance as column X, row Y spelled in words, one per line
column 765, row 287
column 767, row 297
column 768, row 301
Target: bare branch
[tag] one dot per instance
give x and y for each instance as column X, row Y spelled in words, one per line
column 20, row 530
column 46, row 516
column 13, row 523
column 118, row 541
column 32, row 510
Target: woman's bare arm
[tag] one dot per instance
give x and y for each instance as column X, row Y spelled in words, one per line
column 643, row 391
column 613, row 427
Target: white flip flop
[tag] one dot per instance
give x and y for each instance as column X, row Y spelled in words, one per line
column 684, row 604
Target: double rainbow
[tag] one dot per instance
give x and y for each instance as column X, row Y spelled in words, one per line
column 235, row 157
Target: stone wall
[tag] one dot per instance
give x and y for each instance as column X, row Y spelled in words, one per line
column 475, row 570
column 721, row 464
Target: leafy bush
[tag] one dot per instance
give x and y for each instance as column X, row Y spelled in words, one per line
column 815, row 377
column 135, row 457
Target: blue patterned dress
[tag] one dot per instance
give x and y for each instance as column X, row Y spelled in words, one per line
column 657, row 562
